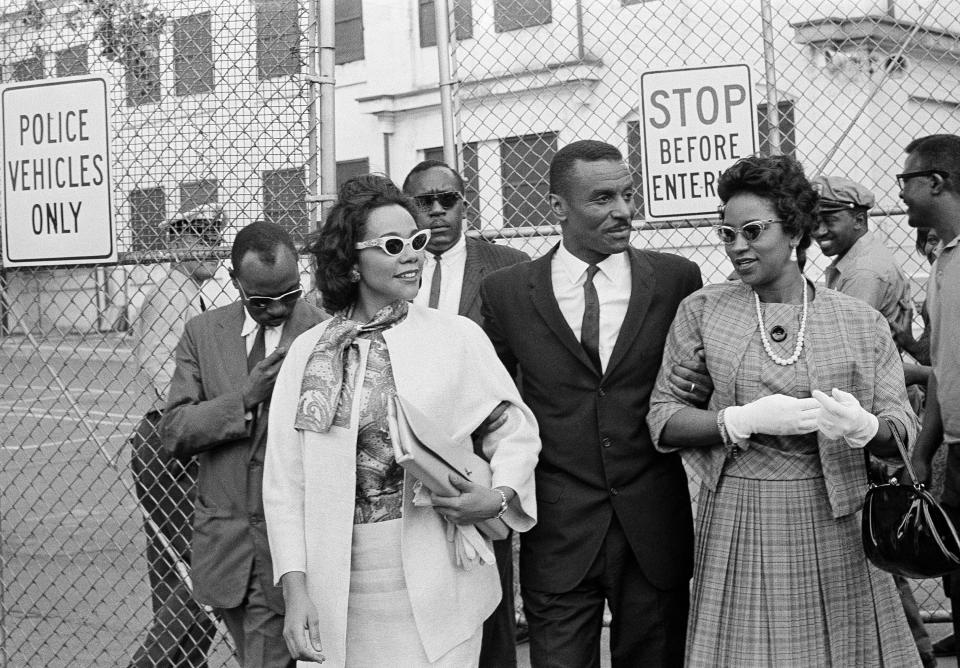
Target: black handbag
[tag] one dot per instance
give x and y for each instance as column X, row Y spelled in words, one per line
column 905, row 531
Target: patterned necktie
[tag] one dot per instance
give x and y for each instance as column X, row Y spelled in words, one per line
column 590, row 328
column 259, row 349
column 435, row 284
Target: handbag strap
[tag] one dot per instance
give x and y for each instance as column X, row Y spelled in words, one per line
column 903, row 450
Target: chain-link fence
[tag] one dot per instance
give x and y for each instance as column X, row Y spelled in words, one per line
column 214, row 104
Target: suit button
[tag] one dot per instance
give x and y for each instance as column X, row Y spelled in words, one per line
column 602, row 392
column 614, row 491
column 605, row 442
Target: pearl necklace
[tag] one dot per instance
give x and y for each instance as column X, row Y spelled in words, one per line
column 766, row 342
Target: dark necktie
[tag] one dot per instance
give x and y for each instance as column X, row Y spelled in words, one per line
column 590, row 328
column 259, row 349
column 435, row 284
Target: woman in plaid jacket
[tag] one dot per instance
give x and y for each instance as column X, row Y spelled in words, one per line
column 780, row 576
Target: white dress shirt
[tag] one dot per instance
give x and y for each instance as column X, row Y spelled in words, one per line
column 271, row 337
column 452, row 267
column 612, row 282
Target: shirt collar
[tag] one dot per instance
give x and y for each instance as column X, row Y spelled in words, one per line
column 250, row 325
column 455, row 252
column 859, row 247
column 613, row 267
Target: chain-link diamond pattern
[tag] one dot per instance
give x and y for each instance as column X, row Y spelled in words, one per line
column 212, row 106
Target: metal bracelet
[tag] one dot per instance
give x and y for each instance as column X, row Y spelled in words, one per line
column 503, row 503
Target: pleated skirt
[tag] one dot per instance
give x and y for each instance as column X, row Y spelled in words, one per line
column 779, row 581
column 381, row 630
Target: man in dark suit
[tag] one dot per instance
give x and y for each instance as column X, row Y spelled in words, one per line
column 451, row 282
column 227, row 361
column 585, row 325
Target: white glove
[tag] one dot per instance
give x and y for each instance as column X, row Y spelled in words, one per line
column 776, row 414
column 842, row 415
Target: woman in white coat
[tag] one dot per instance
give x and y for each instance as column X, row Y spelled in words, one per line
column 370, row 578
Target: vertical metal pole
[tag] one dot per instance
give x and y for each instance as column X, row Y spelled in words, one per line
column 770, row 74
column 328, row 155
column 313, row 184
column 442, row 14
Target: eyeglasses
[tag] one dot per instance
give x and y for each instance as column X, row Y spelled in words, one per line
column 447, row 200
column 750, row 230
column 393, row 245
column 906, row 176
column 258, row 302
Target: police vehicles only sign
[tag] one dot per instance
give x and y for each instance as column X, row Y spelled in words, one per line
column 57, row 196
column 696, row 123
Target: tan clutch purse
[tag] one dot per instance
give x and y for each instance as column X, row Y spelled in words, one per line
column 429, row 455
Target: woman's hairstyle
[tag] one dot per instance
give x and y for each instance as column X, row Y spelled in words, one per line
column 334, row 245
column 780, row 180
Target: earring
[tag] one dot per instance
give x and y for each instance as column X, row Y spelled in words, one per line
column 354, row 275
column 793, row 252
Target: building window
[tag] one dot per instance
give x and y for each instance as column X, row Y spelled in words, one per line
column 28, row 69
column 525, row 172
column 462, row 17
column 72, row 61
column 142, row 75
column 635, row 162
column 147, row 215
column 470, row 171
column 193, row 55
column 197, row 193
column 348, row 20
column 515, row 14
column 285, row 200
column 278, row 38
column 787, row 124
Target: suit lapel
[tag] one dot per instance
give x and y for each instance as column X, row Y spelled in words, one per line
column 472, row 274
column 545, row 301
column 642, row 286
column 231, row 346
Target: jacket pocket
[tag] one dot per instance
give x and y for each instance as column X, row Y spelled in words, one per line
column 548, row 491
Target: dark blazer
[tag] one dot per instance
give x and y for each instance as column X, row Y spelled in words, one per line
column 483, row 258
column 205, row 417
column 598, row 460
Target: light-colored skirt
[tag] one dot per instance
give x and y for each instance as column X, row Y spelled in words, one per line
column 381, row 630
column 778, row 581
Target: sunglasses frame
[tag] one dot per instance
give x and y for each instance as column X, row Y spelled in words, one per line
column 262, row 303
column 719, row 228
column 435, row 197
column 906, row 176
column 381, row 243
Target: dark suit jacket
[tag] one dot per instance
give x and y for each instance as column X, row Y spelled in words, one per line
column 483, row 258
column 597, row 459
column 205, row 417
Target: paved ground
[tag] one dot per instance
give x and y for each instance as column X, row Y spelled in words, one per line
column 73, row 577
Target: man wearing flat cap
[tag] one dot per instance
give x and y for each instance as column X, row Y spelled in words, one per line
column 181, row 631
column 862, row 267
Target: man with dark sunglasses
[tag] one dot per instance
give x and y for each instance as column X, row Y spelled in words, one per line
column 452, row 272
column 217, row 411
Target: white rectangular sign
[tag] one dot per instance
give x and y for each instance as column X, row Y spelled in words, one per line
column 57, row 195
column 696, row 122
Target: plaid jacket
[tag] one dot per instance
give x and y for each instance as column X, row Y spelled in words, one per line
column 848, row 346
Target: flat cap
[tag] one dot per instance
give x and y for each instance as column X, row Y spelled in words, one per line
column 204, row 219
column 838, row 192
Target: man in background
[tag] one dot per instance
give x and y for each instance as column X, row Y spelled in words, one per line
column 864, row 268
column 217, row 411
column 451, row 277
column 181, row 631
